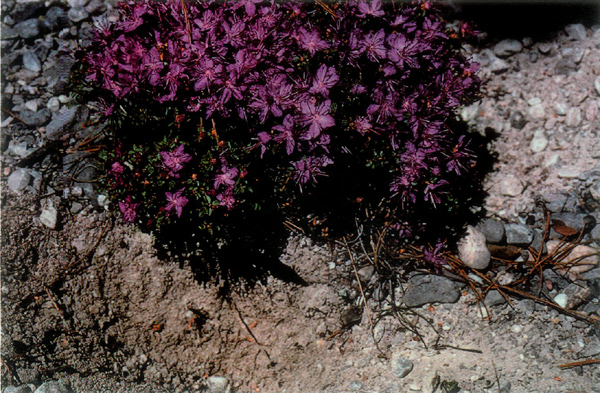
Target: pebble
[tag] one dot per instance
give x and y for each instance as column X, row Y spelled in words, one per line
column 582, row 257
column 49, row 217
column 471, row 112
column 28, row 29
column 472, row 249
column 492, row 229
column 518, row 234
column 550, row 124
column 429, row 288
column 18, row 180
column 573, row 118
column 64, row 118
column 576, row 32
column 511, row 186
column 218, row 384
column 56, row 19
column 494, row 298
column 516, row 329
column 506, row 48
column 561, row 299
column 35, row 119
column 591, row 111
column 77, row 14
column 537, row 112
column 53, row 387
column 545, row 48
column 518, row 120
column 568, row 172
column 401, row 367
column 597, row 85
column 498, row 66
column 31, row 61
column 19, row 389
column 560, row 108
column 539, row 141
column 32, row 105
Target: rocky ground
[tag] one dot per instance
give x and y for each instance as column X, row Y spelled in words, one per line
column 88, row 305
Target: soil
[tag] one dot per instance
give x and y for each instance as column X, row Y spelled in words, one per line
column 92, row 303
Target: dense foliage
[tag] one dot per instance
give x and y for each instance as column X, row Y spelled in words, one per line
column 217, row 107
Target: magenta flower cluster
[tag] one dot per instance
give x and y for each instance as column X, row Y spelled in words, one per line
column 305, row 83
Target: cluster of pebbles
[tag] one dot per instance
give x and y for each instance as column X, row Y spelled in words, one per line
column 541, row 104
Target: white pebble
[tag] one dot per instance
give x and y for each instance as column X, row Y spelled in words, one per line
column 537, row 112
column 516, row 329
column 597, row 85
column 539, row 142
column 561, row 299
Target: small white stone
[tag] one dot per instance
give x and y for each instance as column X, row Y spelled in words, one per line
column 534, row 101
column 552, row 160
column 539, row 142
column 591, row 110
column 511, row 186
column 472, row 249
column 32, row 105
column 49, row 217
column 573, row 117
column 63, row 99
column 560, row 108
column 103, row 200
column 561, row 299
column 569, row 172
column 53, row 104
column 516, row 329
column 537, row 112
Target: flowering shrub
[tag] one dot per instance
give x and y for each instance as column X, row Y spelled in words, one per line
column 217, row 106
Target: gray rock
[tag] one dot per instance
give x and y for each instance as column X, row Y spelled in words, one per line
column 511, row 186
column 57, row 75
column 31, row 61
column 573, row 118
column 506, row 48
column 49, row 217
column 218, row 384
column 594, row 191
column 518, row 120
column 576, row 32
column 425, row 289
column 355, row 385
column 53, row 387
column 18, row 149
column 537, row 112
column 518, row 234
column 401, row 367
column 18, row 389
column 35, row 119
column 56, row 19
column 539, row 141
column 560, row 108
column 61, row 121
column 18, row 180
column 577, row 294
column 537, row 242
column 95, row 7
column 492, row 229
column 597, row 85
column 494, row 298
column 505, row 387
column 498, row 66
column 559, row 202
column 545, row 48
column 28, row 29
column 76, row 15
column 8, row 33
column 472, row 249
column 365, row 273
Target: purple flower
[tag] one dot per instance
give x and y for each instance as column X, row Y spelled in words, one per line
column 263, row 138
column 174, row 160
column 226, row 177
column 459, row 156
column 435, row 255
column 373, row 44
column 175, row 201
column 324, row 80
column 432, row 192
column 371, row 7
column 116, row 168
column 309, row 167
column 226, row 199
column 402, row 51
column 128, row 209
column 316, row 118
column 362, row 125
column 286, row 134
column 311, row 41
